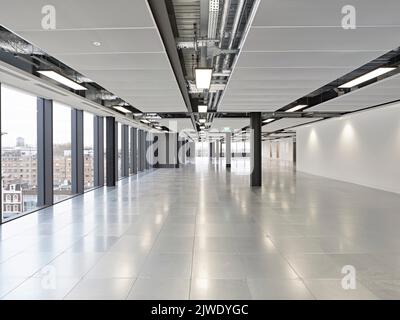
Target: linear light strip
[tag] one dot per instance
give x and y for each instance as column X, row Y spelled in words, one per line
column 61, row 79
column 366, row 77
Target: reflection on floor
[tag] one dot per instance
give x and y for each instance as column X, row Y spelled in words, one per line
column 200, row 232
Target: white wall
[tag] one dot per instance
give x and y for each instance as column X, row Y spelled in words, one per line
column 362, row 148
column 285, row 147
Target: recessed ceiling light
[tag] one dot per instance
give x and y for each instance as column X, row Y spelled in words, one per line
column 96, row 43
column 122, row 109
column 203, row 78
column 145, row 121
column 296, row 108
column 366, row 77
column 268, row 120
column 158, row 127
column 61, row 79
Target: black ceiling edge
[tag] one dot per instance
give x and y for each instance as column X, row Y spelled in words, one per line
column 161, row 16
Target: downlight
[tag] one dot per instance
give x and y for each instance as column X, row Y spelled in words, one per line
column 366, row 77
column 61, row 79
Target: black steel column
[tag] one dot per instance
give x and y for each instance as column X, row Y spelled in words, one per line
column 146, row 152
column 255, row 145
column 124, row 150
column 144, row 156
column 77, row 159
column 133, row 142
column 116, row 154
column 45, row 151
column 98, row 150
column 110, row 151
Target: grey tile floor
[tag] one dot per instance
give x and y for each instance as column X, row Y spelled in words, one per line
column 200, row 232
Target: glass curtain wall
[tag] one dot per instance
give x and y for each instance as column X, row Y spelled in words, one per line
column 18, row 153
column 88, row 150
column 62, row 164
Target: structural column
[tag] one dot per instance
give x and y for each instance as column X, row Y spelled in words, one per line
column 98, row 150
column 228, row 152
column 133, row 143
column 255, row 149
column 217, row 146
column 110, row 151
column 140, row 150
column 116, row 152
column 77, row 158
column 124, row 150
column 45, row 151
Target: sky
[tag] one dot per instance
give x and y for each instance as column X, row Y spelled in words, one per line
column 18, row 119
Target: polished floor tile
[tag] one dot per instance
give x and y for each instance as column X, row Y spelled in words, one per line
column 279, row 289
column 216, row 289
column 160, row 289
column 200, row 232
column 101, row 289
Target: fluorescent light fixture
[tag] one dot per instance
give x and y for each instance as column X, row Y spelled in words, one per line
column 268, row 120
column 366, row 77
column 203, row 78
column 145, row 121
column 202, row 109
column 122, row 109
column 296, row 108
column 158, row 127
column 61, row 79
column 202, row 120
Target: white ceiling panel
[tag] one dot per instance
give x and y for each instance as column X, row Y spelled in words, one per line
column 330, row 39
column 336, row 60
column 325, row 13
column 131, row 59
column 118, row 76
column 287, row 74
column 80, row 42
column 286, row 123
column 86, row 14
column 301, row 45
column 231, row 123
column 381, row 92
column 120, row 61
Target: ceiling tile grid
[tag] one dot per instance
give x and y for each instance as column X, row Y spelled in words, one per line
column 130, row 60
column 296, row 47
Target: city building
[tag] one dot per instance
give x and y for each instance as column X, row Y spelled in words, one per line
column 200, row 150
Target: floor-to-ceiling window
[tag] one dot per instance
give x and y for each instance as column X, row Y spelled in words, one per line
column 88, row 151
column 18, row 152
column 62, row 164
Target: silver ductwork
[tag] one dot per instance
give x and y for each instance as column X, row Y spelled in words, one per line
column 235, row 26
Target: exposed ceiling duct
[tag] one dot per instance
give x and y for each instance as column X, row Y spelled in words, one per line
column 208, row 35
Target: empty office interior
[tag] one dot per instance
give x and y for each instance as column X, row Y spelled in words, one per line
column 200, row 149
